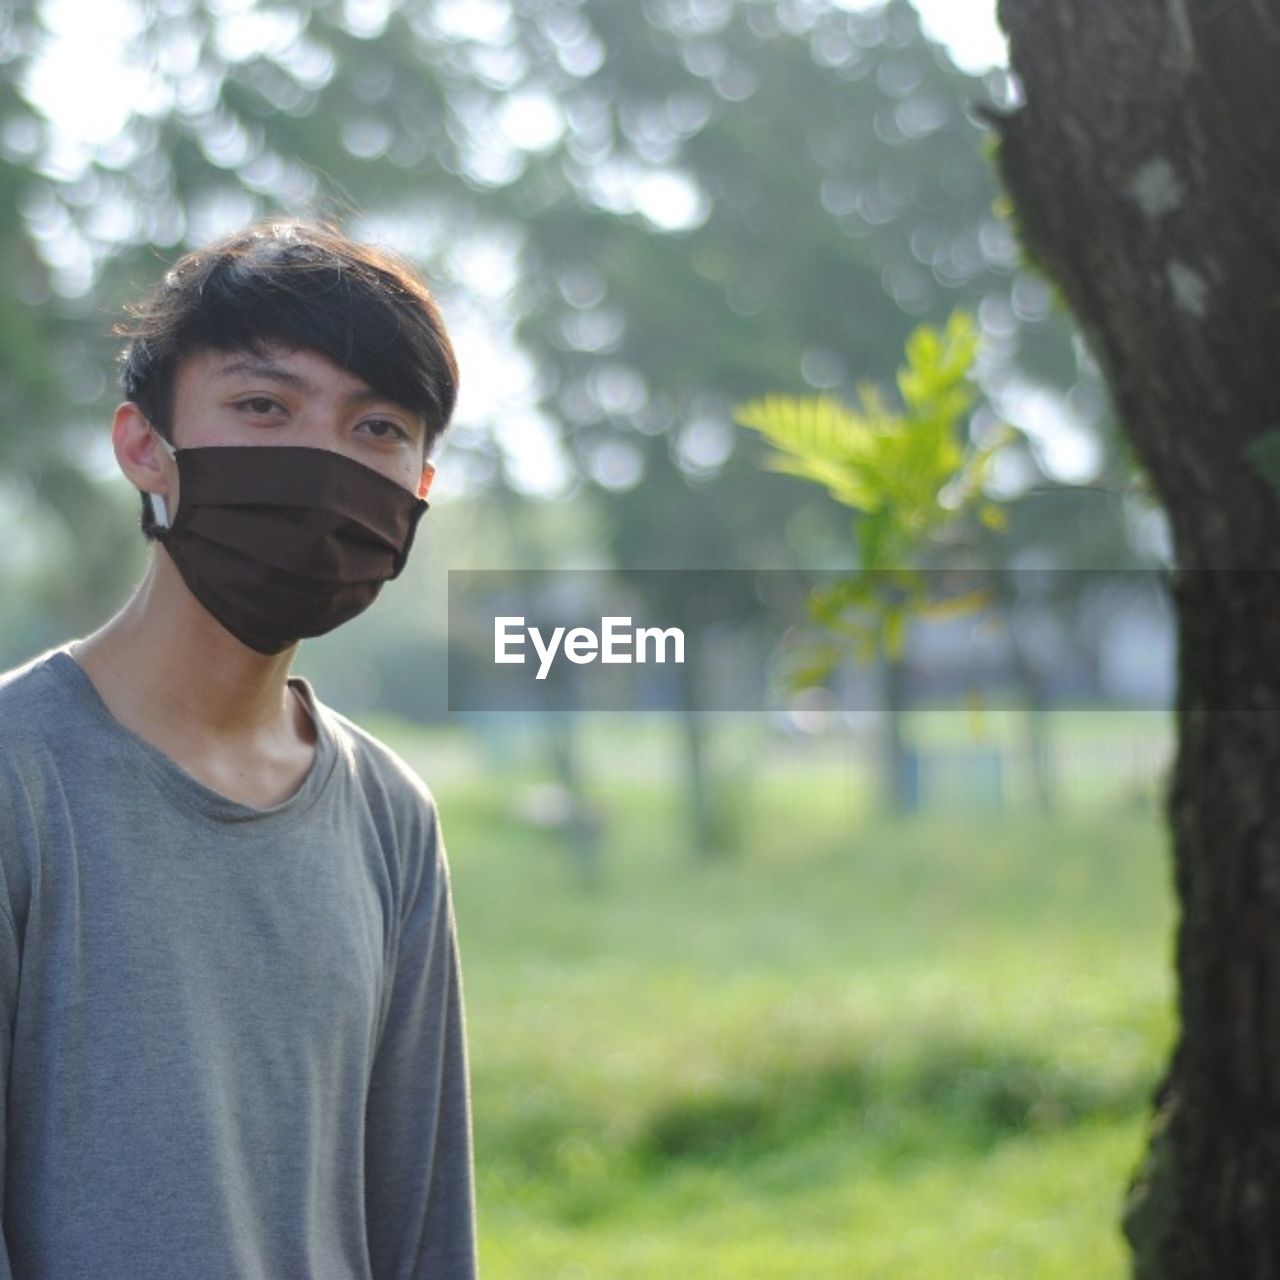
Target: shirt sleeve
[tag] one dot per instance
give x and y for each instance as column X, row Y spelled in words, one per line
column 8, row 1013
column 419, row 1181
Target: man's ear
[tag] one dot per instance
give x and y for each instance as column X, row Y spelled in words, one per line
column 428, row 474
column 138, row 452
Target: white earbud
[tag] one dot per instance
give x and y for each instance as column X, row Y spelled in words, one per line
column 159, row 511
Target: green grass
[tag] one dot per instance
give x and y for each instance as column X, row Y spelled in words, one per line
column 859, row 1049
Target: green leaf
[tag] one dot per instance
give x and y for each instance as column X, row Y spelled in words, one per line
column 955, row 606
column 810, row 666
column 810, row 426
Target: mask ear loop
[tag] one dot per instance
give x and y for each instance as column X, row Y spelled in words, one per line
column 159, row 511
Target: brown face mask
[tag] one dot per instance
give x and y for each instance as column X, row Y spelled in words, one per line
column 281, row 542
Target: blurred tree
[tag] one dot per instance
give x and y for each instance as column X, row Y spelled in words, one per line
column 695, row 200
column 697, row 192
column 27, row 380
column 60, row 564
column 747, row 198
column 1142, row 168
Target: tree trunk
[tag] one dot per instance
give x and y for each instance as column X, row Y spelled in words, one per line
column 1036, row 735
column 1144, row 167
column 711, row 837
column 900, row 761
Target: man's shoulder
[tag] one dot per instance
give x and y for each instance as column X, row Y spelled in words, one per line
column 32, row 676
column 401, row 805
column 27, row 693
column 42, row 723
column 377, row 764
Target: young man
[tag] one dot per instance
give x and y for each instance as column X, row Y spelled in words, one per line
column 231, row 1030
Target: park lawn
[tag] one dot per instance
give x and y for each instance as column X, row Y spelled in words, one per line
column 858, row 1049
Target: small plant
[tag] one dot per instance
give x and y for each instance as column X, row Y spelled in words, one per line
column 912, row 476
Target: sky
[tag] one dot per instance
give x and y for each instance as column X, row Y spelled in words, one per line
column 90, row 94
column 969, row 30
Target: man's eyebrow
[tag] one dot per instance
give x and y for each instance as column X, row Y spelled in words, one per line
column 261, row 369
column 278, row 373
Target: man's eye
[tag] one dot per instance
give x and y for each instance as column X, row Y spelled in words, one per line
column 259, row 404
column 384, row 429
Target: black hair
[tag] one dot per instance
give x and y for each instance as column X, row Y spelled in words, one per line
column 299, row 285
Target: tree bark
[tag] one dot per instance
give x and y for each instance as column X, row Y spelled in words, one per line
column 1144, row 167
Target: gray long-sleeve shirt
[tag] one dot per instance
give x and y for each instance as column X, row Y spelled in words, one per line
column 231, row 1039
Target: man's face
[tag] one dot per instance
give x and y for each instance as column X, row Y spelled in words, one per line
column 296, row 397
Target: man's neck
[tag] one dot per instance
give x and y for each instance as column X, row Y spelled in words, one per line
column 163, row 662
